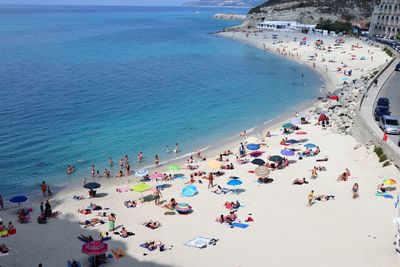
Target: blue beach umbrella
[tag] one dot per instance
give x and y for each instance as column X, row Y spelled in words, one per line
column 234, row 182
column 309, row 145
column 276, row 158
column 18, row 200
column 253, row 146
column 287, row 152
column 258, row 162
column 189, row 191
column 292, row 141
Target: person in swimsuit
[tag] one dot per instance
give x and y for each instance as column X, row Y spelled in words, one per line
column 157, row 160
column 354, row 190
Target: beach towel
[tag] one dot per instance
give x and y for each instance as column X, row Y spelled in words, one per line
column 118, row 253
column 240, row 225
column 170, row 213
column 199, row 242
column 385, row 195
column 122, row 189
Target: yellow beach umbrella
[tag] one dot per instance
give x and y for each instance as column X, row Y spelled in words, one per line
column 389, row 182
column 215, row 164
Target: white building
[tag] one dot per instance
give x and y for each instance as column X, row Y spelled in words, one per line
column 292, row 26
column 386, row 19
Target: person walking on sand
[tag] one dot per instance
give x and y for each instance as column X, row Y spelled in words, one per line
column 111, row 222
column 310, row 198
column 43, row 187
column 210, row 180
column 354, row 190
column 1, row 203
column 157, row 161
column 157, row 196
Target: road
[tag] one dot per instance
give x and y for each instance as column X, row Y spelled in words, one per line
column 391, row 90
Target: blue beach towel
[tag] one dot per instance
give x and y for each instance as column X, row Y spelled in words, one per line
column 240, row 225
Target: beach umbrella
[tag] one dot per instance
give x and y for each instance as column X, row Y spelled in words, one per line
column 252, row 140
column 95, row 247
column 292, row 141
column 183, row 208
column 174, row 167
column 253, row 146
column 288, row 125
column 276, row 158
column 262, row 171
column 18, row 200
column 141, row 187
column 156, row 175
column 91, row 185
column 215, row 164
column 309, row 145
column 256, row 153
column 141, row 173
column 287, row 152
column 234, row 182
column 389, row 182
column 189, row 191
column 295, row 121
column 258, row 162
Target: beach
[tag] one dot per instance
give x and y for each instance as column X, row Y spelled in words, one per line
column 284, row 231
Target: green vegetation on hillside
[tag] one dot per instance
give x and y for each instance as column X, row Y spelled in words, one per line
column 337, row 26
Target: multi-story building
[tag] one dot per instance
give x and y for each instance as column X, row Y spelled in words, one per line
column 386, row 19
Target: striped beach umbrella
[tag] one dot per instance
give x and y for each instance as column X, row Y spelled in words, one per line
column 262, row 171
column 183, row 208
column 141, row 173
column 95, row 247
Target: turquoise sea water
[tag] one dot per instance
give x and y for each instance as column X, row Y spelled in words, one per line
column 80, row 84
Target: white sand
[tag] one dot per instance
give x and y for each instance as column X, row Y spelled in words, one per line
column 285, row 232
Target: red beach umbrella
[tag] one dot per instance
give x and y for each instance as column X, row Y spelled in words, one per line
column 95, row 247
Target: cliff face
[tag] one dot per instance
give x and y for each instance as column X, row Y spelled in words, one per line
column 311, row 11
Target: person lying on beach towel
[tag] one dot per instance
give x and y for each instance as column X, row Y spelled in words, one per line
column 232, row 205
column 220, row 190
column 130, row 204
column 218, row 173
column 4, row 249
column 324, row 197
column 124, row 233
column 153, row 245
column 344, row 176
column 241, row 161
column 152, row 224
column 92, row 222
column 299, row 181
column 227, row 167
column 171, row 204
column 78, row 197
column 104, row 236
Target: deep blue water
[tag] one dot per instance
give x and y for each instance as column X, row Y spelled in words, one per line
column 79, row 84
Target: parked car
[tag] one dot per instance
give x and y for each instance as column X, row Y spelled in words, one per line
column 389, row 124
column 381, row 111
column 383, row 102
column 397, row 68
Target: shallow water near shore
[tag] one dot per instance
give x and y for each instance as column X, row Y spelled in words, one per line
column 80, row 84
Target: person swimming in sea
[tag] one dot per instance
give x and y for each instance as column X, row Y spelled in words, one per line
column 167, row 149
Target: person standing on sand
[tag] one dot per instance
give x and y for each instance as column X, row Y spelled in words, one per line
column 1, row 203
column 157, row 196
column 111, row 222
column 354, row 190
column 157, row 161
column 310, row 198
column 43, row 187
column 210, row 181
column 41, row 208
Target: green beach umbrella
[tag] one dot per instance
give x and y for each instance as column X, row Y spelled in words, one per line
column 141, row 187
column 174, row 167
column 288, row 125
